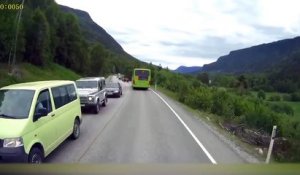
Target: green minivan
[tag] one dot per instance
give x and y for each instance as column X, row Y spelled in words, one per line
column 36, row 117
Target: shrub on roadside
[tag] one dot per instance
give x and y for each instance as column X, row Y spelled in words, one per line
column 259, row 116
column 183, row 91
column 281, row 108
column 200, row 98
column 240, row 106
column 289, row 128
column 222, row 104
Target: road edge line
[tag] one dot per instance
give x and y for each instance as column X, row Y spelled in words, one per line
column 189, row 130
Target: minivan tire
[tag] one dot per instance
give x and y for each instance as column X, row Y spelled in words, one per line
column 35, row 156
column 76, row 130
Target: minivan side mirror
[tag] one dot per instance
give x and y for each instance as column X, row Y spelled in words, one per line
column 40, row 113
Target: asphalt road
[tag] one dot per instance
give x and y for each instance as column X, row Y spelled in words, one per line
column 140, row 127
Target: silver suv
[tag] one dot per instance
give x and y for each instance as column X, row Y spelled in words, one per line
column 92, row 92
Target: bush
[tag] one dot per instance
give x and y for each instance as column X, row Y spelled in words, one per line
column 289, row 128
column 275, row 97
column 240, row 106
column 200, row 98
column 261, row 117
column 222, row 104
column 261, row 94
column 183, row 91
column 281, row 108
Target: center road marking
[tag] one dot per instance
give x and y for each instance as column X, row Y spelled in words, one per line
column 188, row 129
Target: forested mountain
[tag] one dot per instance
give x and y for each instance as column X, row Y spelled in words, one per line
column 188, row 70
column 47, row 34
column 285, row 76
column 255, row 59
column 93, row 32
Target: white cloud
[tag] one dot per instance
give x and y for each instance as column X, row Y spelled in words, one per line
column 198, row 31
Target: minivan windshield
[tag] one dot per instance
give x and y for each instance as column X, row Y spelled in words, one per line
column 15, row 104
column 86, row 84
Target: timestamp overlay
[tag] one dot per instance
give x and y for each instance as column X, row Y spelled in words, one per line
column 11, row 6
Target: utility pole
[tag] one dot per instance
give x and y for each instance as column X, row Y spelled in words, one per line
column 271, row 144
column 12, row 64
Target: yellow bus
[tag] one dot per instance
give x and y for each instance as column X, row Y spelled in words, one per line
column 141, row 78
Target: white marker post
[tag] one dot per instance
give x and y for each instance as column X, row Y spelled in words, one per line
column 271, row 144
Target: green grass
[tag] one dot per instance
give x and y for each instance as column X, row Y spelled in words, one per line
column 294, row 105
column 29, row 72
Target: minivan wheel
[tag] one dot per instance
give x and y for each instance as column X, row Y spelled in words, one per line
column 97, row 108
column 35, row 156
column 76, row 130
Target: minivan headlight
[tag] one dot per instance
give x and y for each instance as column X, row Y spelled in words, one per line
column 13, row 142
column 90, row 98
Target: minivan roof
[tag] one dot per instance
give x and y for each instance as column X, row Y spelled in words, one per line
column 38, row 84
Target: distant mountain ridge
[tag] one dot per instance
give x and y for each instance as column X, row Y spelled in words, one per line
column 255, row 59
column 188, row 70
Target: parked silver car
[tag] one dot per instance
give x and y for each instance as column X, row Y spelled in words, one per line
column 92, row 92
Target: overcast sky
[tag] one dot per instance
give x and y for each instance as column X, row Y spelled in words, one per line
column 191, row 32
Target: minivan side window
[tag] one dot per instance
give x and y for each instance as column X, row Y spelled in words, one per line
column 60, row 95
column 71, row 92
column 44, row 101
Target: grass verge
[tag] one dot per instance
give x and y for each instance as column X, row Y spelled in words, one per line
column 213, row 121
column 28, row 72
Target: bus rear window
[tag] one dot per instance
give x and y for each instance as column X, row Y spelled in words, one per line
column 142, row 74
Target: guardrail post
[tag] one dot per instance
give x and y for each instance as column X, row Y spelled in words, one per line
column 271, row 144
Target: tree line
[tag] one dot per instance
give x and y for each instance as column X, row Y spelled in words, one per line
column 45, row 34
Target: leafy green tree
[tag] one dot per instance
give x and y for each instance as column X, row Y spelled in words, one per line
column 8, row 30
column 261, row 94
column 222, row 104
column 242, row 84
column 97, row 56
column 203, row 77
column 72, row 49
column 37, row 39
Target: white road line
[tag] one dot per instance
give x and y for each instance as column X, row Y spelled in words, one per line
column 189, row 130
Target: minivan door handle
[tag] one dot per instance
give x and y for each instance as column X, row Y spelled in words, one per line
column 52, row 115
